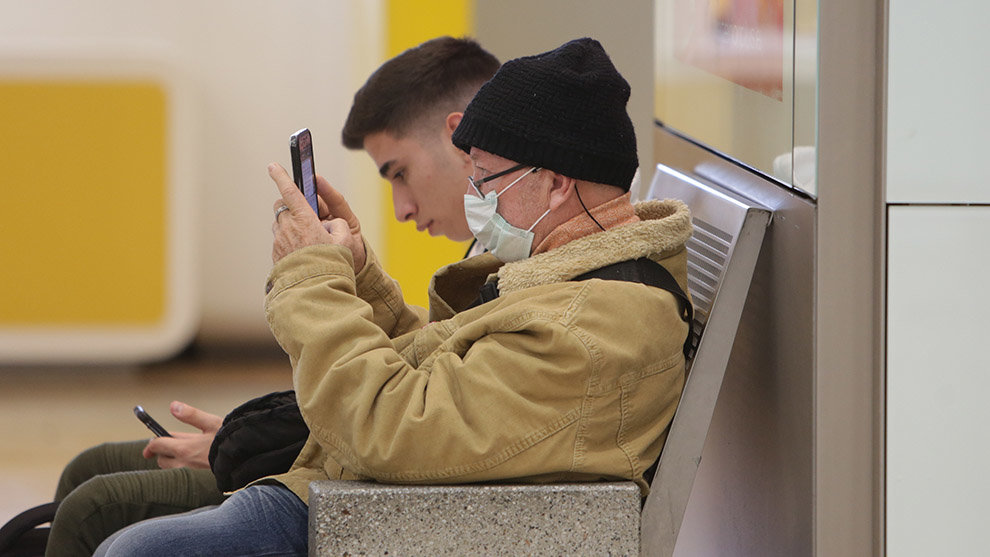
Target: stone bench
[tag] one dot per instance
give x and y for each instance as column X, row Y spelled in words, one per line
column 364, row 518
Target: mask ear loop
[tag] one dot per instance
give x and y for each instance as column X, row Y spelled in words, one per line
column 586, row 209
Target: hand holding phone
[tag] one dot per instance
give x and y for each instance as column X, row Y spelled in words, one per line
column 153, row 425
column 303, row 170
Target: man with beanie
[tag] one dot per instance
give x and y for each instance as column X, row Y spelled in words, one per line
column 538, row 361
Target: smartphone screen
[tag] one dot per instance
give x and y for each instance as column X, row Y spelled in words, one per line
column 150, row 422
column 303, row 170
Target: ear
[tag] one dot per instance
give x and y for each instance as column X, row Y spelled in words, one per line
column 453, row 119
column 451, row 123
column 561, row 190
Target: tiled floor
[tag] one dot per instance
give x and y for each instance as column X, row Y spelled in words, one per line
column 47, row 415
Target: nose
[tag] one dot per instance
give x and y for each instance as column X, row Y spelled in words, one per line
column 403, row 204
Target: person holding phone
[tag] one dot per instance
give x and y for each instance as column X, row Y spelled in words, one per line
column 403, row 117
column 532, row 366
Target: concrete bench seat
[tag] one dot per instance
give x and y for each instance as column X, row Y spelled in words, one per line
column 365, row 518
column 359, row 518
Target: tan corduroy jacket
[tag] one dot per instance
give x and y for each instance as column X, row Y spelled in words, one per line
column 552, row 381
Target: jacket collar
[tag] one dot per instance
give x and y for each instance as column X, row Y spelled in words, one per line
column 663, row 229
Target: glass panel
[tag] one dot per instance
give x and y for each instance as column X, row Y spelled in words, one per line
column 726, row 77
column 805, row 95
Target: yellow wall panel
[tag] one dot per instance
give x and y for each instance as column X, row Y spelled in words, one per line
column 411, row 257
column 84, row 203
column 410, row 22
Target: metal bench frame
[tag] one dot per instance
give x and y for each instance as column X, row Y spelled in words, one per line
column 722, row 254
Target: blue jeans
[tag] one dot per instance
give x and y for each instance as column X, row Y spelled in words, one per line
column 262, row 520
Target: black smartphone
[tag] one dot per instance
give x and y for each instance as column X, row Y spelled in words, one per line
column 147, row 420
column 303, row 170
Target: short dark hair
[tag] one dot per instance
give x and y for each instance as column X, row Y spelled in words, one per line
column 442, row 74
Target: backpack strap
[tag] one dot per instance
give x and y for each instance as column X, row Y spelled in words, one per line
column 643, row 270
column 21, row 535
column 488, row 292
column 647, row 271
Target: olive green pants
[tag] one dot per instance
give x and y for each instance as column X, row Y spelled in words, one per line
column 111, row 486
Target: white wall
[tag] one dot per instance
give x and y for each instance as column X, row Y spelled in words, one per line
column 938, row 120
column 258, row 70
column 937, row 190
column 937, row 381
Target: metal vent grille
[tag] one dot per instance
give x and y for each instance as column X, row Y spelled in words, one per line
column 708, row 251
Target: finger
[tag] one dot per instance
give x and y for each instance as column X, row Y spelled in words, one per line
column 324, row 210
column 204, row 421
column 291, row 196
column 169, row 445
column 337, row 206
column 158, row 447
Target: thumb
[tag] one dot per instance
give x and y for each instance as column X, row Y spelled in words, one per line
column 337, row 206
column 203, row 421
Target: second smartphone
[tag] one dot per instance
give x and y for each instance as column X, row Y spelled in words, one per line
column 303, row 170
column 150, row 422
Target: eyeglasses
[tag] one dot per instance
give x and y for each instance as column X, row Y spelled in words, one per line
column 476, row 184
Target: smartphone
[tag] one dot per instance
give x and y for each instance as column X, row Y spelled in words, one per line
column 303, row 171
column 147, row 420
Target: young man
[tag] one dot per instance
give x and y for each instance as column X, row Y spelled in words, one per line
column 403, row 117
column 406, row 130
column 526, row 370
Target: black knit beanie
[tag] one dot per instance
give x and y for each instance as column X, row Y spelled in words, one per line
column 563, row 110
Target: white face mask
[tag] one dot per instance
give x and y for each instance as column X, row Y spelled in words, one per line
column 506, row 242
